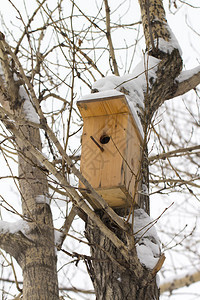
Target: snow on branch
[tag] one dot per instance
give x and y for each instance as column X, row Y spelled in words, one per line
column 147, row 241
column 167, row 46
column 13, row 85
column 18, row 87
column 185, row 75
column 8, row 227
column 58, row 237
column 177, row 282
column 43, row 199
column 28, row 108
column 187, row 81
column 14, row 237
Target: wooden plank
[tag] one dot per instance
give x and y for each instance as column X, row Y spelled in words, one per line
column 132, row 166
column 104, row 169
column 101, row 107
column 116, row 197
column 107, row 106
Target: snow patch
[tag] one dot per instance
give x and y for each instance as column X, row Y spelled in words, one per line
column 147, row 240
column 134, row 85
column 43, row 199
column 104, row 94
column 57, row 237
column 158, row 280
column 7, row 227
column 168, row 46
column 29, row 110
column 144, row 190
column 184, row 75
column 1, row 71
column 188, row 273
column 146, row 256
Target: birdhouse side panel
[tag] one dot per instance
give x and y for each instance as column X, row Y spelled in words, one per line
column 102, row 163
column 132, row 164
column 115, row 197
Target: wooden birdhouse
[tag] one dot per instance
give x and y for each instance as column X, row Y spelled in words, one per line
column 111, row 148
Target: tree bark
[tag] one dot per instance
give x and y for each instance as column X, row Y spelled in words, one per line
column 38, row 262
column 154, row 24
column 36, row 258
column 112, row 276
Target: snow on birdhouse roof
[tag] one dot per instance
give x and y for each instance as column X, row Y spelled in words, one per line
column 134, row 85
column 107, row 96
column 104, row 94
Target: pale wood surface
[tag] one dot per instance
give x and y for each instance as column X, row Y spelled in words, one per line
column 113, row 172
column 106, row 106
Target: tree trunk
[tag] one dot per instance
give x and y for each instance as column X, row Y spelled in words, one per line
column 112, row 276
column 38, row 261
column 35, row 250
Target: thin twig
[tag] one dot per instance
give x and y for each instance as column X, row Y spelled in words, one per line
column 184, row 151
column 108, row 35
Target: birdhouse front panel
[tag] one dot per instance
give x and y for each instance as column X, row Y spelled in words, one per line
column 111, row 150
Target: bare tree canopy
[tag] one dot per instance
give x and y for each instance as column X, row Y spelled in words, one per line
column 99, row 146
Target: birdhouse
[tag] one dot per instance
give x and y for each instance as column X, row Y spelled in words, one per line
column 111, row 148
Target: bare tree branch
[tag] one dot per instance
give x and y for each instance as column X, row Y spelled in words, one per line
column 13, row 243
column 175, row 284
column 187, row 81
column 101, row 201
column 80, row 201
column 184, row 151
column 109, row 38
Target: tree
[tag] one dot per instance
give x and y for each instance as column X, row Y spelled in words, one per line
column 49, row 57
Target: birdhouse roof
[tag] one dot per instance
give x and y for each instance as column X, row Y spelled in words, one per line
column 108, row 103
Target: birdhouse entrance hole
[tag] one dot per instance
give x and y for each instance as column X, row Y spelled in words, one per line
column 111, row 149
column 104, row 139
